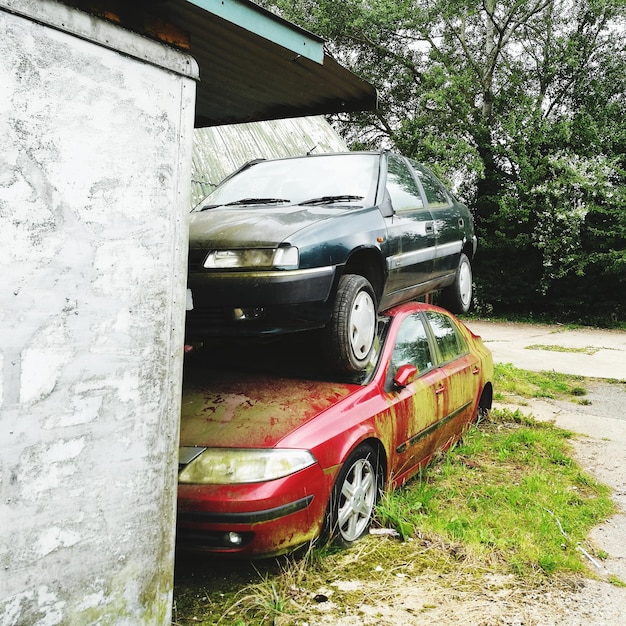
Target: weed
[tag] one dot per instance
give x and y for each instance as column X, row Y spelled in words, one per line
column 519, row 492
column 394, row 512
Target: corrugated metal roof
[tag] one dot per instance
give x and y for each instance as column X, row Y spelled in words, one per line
column 246, row 76
column 220, row 150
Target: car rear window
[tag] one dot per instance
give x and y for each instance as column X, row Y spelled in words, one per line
column 449, row 340
column 436, row 194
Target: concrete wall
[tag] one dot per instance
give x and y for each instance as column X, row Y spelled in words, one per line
column 95, row 140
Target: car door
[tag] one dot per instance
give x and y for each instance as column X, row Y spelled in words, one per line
column 416, row 409
column 461, row 376
column 410, row 232
column 449, row 225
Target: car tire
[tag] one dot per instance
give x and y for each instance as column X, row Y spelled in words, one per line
column 352, row 328
column 484, row 406
column 354, row 497
column 457, row 297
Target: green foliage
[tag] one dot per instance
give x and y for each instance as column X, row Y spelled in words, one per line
column 522, row 106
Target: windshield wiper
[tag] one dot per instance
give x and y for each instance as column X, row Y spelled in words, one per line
column 246, row 201
column 257, row 201
column 331, row 199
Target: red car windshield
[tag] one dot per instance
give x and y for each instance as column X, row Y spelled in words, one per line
column 295, row 355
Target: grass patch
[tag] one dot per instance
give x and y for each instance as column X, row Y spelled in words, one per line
column 508, row 501
column 616, row 581
column 512, row 381
column 590, row 350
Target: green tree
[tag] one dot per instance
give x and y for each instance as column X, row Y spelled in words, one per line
column 522, row 104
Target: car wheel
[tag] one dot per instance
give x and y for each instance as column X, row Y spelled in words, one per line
column 354, row 496
column 458, row 296
column 353, row 324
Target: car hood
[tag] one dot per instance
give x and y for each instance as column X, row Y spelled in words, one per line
column 234, row 410
column 226, row 227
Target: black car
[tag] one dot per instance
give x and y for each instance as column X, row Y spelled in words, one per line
column 325, row 241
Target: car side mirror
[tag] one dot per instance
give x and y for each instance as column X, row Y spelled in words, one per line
column 386, row 208
column 405, row 376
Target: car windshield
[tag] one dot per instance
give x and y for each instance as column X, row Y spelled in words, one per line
column 318, row 179
column 296, row 355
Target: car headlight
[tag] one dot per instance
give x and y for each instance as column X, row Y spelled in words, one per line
column 279, row 258
column 225, row 466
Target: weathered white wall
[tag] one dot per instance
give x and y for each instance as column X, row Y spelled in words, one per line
column 95, row 152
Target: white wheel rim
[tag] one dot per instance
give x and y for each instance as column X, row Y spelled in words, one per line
column 357, row 499
column 465, row 284
column 362, row 325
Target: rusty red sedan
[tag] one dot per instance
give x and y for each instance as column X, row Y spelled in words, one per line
column 278, row 451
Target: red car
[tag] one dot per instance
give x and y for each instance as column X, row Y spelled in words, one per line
column 277, row 451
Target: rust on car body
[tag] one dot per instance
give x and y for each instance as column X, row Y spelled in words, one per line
column 253, row 412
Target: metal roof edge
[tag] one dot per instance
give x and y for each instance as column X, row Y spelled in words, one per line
column 262, row 22
column 74, row 21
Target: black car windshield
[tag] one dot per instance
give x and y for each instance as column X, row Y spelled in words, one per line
column 318, row 179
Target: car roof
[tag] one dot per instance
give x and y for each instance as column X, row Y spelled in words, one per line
column 321, row 155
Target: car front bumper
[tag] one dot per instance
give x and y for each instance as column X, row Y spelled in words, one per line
column 279, row 301
column 249, row 520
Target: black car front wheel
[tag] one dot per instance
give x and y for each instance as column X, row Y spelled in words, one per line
column 457, row 297
column 353, row 326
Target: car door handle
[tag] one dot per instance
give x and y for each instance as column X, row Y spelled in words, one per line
column 476, row 370
column 440, row 390
column 430, row 228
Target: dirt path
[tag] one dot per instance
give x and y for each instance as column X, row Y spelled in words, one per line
column 587, row 352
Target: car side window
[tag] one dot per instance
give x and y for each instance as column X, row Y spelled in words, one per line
column 449, row 340
column 436, row 193
column 412, row 345
column 404, row 192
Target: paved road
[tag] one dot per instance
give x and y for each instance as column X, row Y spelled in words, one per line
column 604, row 356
